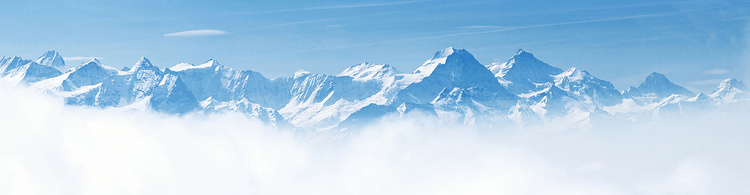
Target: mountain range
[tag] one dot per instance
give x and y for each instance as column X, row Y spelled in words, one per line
column 453, row 85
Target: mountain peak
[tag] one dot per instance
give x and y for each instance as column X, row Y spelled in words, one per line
column 574, row 74
column 368, row 70
column 730, row 89
column 301, row 73
column 524, row 71
column 444, row 53
column 185, row 66
column 51, row 59
column 452, row 68
column 656, row 77
column 522, row 52
column 210, row 63
column 730, row 83
column 142, row 64
column 144, row 61
column 655, row 87
column 442, row 57
column 524, row 55
column 95, row 61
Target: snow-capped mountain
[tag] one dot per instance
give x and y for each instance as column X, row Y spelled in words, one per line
column 449, row 69
column 452, row 85
column 551, row 92
column 367, row 70
column 655, row 88
column 94, row 84
column 524, row 73
column 52, row 59
column 25, row 71
column 730, row 90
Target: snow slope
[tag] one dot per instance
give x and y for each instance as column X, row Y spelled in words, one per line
column 452, row 85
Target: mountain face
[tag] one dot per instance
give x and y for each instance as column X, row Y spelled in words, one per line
column 451, row 85
column 51, row 59
column 730, row 90
column 25, row 71
column 449, row 69
column 655, row 88
column 588, row 89
column 367, row 70
column 524, row 73
column 549, row 92
column 94, row 84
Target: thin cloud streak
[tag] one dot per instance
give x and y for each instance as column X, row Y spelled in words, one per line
column 342, row 7
column 643, row 16
column 296, row 23
column 196, row 33
column 716, row 71
column 363, row 5
column 601, row 8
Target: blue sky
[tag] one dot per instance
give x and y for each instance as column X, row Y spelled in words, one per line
column 693, row 42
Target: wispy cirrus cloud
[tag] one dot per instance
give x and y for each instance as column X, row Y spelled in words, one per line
column 716, row 71
column 479, row 27
column 350, row 6
column 706, row 82
column 80, row 58
column 196, row 33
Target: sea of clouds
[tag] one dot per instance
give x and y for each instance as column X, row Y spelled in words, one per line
column 49, row 148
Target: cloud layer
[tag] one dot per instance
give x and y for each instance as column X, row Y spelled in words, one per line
column 48, row 148
column 196, row 33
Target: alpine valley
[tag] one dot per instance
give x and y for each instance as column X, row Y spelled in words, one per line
column 453, row 85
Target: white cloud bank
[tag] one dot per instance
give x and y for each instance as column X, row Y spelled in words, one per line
column 196, row 33
column 48, row 148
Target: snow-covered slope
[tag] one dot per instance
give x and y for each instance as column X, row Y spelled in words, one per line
column 731, row 90
column 524, row 73
column 551, row 93
column 451, row 85
column 655, row 88
column 588, row 89
column 25, row 71
column 367, row 70
column 52, row 59
column 94, row 84
column 448, row 69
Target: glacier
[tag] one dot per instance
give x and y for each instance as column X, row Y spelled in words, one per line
column 452, row 85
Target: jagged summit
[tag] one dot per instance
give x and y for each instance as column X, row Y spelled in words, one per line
column 446, row 56
column 523, row 72
column 451, row 85
column 731, row 83
column 587, row 88
column 211, row 63
column 443, row 53
column 658, row 83
column 93, row 61
column 143, row 64
column 655, row 78
column 367, row 70
column 51, row 59
column 730, row 90
column 655, row 87
column 451, row 68
column 10, row 63
column 523, row 54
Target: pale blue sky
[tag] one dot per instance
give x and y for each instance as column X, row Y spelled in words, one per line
column 692, row 42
